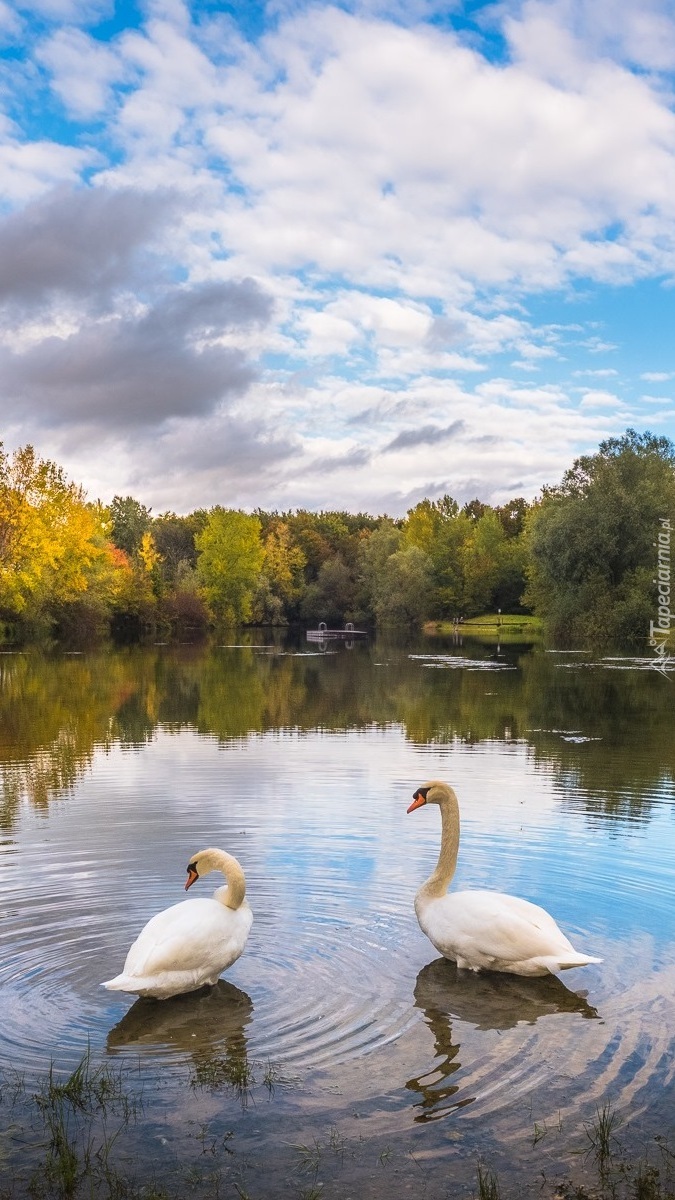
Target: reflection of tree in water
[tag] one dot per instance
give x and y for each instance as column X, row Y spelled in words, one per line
column 55, row 712
column 207, row 1027
column 631, row 754
column 484, row 1002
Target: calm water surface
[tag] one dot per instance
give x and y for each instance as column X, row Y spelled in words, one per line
column 356, row 1042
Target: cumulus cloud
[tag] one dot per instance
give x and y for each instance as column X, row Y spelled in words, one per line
column 83, row 71
column 83, row 243
column 139, row 370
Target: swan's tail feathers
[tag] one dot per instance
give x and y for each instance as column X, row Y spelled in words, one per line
column 567, row 961
column 121, row 983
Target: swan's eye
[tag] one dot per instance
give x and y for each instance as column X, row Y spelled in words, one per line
column 192, row 868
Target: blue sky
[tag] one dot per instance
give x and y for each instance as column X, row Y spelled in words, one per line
column 334, row 255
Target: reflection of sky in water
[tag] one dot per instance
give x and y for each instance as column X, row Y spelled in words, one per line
column 325, row 818
column 334, row 806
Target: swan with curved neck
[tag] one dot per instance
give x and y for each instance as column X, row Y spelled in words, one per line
column 192, row 943
column 483, row 930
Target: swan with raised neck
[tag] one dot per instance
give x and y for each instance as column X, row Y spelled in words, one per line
column 484, row 930
column 446, row 798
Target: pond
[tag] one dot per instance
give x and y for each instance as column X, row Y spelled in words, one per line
column 340, row 1055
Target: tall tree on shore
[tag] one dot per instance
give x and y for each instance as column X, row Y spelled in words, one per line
column 439, row 529
column 231, row 556
column 281, row 579
column 54, row 548
column 592, row 559
column 129, row 521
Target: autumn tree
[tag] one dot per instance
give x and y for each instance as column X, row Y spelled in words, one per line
column 54, row 547
column 281, row 577
column 231, row 556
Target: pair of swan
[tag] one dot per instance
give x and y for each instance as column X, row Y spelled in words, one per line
column 190, row 944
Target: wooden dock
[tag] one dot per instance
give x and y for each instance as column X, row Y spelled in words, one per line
column 324, row 634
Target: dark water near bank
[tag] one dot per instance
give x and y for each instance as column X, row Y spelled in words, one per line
column 356, row 1042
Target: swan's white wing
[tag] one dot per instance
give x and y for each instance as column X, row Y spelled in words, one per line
column 489, row 928
column 189, row 936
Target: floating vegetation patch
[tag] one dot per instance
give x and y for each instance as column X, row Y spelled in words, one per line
column 457, row 662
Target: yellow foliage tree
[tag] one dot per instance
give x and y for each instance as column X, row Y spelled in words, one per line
column 281, row 576
column 53, row 545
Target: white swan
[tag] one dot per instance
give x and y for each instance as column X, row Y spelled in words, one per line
column 191, row 943
column 483, row 930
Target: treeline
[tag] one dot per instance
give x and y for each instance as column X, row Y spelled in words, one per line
column 581, row 555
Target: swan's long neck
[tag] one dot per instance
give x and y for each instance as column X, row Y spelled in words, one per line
column 438, row 882
column 232, row 895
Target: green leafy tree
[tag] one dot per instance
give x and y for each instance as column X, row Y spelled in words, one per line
column 439, row 530
column 332, row 597
column 175, row 540
column 493, row 566
column 129, row 520
column 403, row 594
column 375, row 551
column 512, row 516
column 483, row 556
column 592, row 559
column 231, row 556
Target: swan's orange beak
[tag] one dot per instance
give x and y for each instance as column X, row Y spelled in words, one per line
column 192, row 877
column 418, row 800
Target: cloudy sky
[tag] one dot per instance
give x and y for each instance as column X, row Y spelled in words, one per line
column 334, row 255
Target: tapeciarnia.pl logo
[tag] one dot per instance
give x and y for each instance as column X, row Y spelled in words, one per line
column 659, row 630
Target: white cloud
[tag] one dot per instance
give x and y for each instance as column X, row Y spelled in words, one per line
column 601, row 373
column 71, row 11
column 82, row 71
column 383, row 152
column 27, row 169
column 10, row 22
column 327, row 333
column 599, row 400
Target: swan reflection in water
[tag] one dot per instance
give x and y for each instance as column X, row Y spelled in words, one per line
column 483, row 1002
column 207, row 1027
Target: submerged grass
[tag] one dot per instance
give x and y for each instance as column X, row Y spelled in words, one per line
column 76, row 1136
column 601, row 1135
